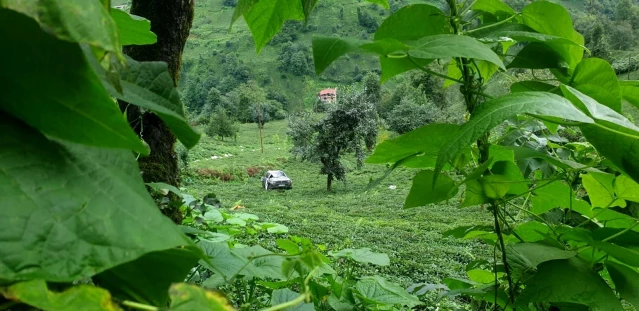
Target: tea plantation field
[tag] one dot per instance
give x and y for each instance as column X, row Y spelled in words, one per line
column 350, row 216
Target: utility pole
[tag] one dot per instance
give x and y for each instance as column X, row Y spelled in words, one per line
column 259, row 124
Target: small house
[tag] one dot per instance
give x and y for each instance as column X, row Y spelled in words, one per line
column 327, row 95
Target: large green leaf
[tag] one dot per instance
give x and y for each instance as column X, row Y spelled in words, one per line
column 133, row 30
column 537, row 55
column 449, row 46
column 225, row 263
column 81, row 297
column 59, row 197
column 326, row 50
column 424, row 143
column 525, row 257
column 376, row 290
column 495, row 111
column 410, row 23
column 626, row 188
column 603, row 114
column 82, row 21
column 69, row 94
column 140, row 281
column 553, row 19
column 630, row 91
column 189, row 297
column 526, row 86
column 266, row 18
column 517, row 32
column 618, row 144
column 150, row 86
column 623, row 254
column 600, row 190
column 263, row 264
column 555, row 194
column 497, row 8
column 423, row 191
column 364, row 255
column 518, row 184
column 570, row 280
column 626, row 281
column 596, row 78
column 281, row 296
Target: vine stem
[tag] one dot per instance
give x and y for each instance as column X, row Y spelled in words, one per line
column 500, row 237
column 301, row 298
column 433, row 72
column 139, row 306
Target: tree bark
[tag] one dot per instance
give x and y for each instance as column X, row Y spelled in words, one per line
column 329, row 182
column 171, row 21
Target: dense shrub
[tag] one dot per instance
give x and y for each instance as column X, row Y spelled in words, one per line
column 408, row 116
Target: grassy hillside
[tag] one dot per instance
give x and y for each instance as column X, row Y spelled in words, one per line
column 348, row 217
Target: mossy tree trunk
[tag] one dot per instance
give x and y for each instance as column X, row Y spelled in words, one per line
column 171, row 21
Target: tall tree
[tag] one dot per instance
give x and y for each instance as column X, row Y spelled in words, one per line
column 348, row 127
column 171, row 21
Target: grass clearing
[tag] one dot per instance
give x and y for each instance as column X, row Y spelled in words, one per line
column 348, row 217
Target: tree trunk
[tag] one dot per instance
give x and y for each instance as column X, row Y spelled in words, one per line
column 171, row 21
column 329, row 182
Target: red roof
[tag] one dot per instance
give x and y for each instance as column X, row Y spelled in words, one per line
column 328, row 92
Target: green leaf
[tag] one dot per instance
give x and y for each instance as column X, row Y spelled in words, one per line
column 538, row 56
column 626, row 188
column 308, row 6
column 88, row 200
column 80, row 297
column 603, row 114
column 133, row 30
column 326, row 50
column 494, row 186
column 281, row 296
column 474, row 194
column 409, row 24
column 509, row 169
column 596, row 78
column 363, row 255
column 510, row 32
column 497, row 8
column 630, row 91
column 140, row 281
column 555, row 194
column 69, row 93
column 486, row 71
column 553, row 19
column 600, row 190
column 481, row 276
column 495, row 111
column 149, row 85
column 525, row 257
column 289, row 246
column 164, row 188
column 188, row 297
column 571, row 280
column 82, row 21
column 532, row 231
column 264, row 267
column 424, row 143
column 221, row 259
column 450, row 46
column 376, row 290
column 423, row 192
column 623, row 254
column 241, row 8
column 383, row 3
column 266, row 18
column 617, row 143
column 626, row 282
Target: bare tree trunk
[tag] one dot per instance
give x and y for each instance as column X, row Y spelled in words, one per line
column 329, row 182
column 171, row 21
